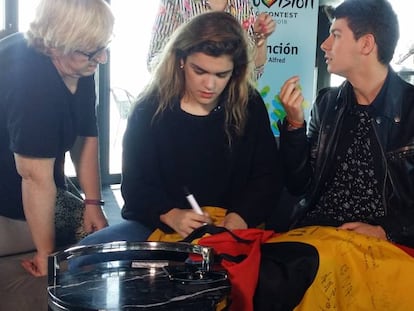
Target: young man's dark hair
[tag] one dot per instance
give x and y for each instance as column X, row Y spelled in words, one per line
column 372, row 16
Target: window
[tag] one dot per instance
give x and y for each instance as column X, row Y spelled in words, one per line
column 405, row 44
column 2, row 15
column 26, row 12
column 403, row 61
column 128, row 67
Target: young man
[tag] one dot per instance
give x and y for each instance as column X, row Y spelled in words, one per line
column 354, row 166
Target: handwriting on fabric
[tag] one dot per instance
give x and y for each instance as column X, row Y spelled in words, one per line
column 354, row 271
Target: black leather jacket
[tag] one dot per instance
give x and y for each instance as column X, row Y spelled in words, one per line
column 308, row 158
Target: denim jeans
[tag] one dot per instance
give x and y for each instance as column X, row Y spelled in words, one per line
column 127, row 230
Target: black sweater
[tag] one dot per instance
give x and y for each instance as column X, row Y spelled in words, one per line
column 178, row 149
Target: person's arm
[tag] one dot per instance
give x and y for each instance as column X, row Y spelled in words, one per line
column 85, row 157
column 299, row 144
column 141, row 187
column 259, row 27
column 39, row 198
column 263, row 27
column 168, row 18
column 291, row 98
column 294, row 143
column 146, row 198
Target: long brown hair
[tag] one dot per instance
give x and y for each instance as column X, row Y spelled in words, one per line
column 214, row 34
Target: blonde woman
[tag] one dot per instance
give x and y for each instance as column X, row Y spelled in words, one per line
column 47, row 107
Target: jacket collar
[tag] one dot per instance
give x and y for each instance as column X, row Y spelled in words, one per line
column 392, row 97
column 391, row 105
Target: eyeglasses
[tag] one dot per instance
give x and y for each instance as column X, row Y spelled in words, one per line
column 93, row 55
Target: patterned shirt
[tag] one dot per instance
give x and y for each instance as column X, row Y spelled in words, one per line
column 353, row 192
column 173, row 13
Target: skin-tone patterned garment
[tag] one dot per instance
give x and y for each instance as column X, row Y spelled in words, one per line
column 173, row 13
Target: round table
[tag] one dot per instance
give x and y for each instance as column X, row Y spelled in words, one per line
column 137, row 276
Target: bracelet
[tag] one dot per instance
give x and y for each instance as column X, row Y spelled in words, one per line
column 94, row 202
column 294, row 124
column 258, row 38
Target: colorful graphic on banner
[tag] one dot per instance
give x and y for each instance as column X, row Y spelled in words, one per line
column 291, row 51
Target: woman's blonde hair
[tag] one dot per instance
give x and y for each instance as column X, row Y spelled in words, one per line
column 214, row 34
column 71, row 25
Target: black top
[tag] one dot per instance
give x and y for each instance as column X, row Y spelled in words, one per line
column 39, row 116
column 177, row 149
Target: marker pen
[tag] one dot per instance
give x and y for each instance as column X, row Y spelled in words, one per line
column 194, row 205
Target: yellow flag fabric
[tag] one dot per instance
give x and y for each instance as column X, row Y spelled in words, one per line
column 356, row 272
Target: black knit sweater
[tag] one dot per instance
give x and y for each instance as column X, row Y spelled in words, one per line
column 177, row 149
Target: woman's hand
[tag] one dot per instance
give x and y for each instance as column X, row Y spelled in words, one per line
column 263, row 27
column 233, row 221
column 366, row 229
column 184, row 221
column 37, row 266
column 93, row 219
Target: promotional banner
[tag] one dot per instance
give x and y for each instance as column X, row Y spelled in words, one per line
column 291, row 51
